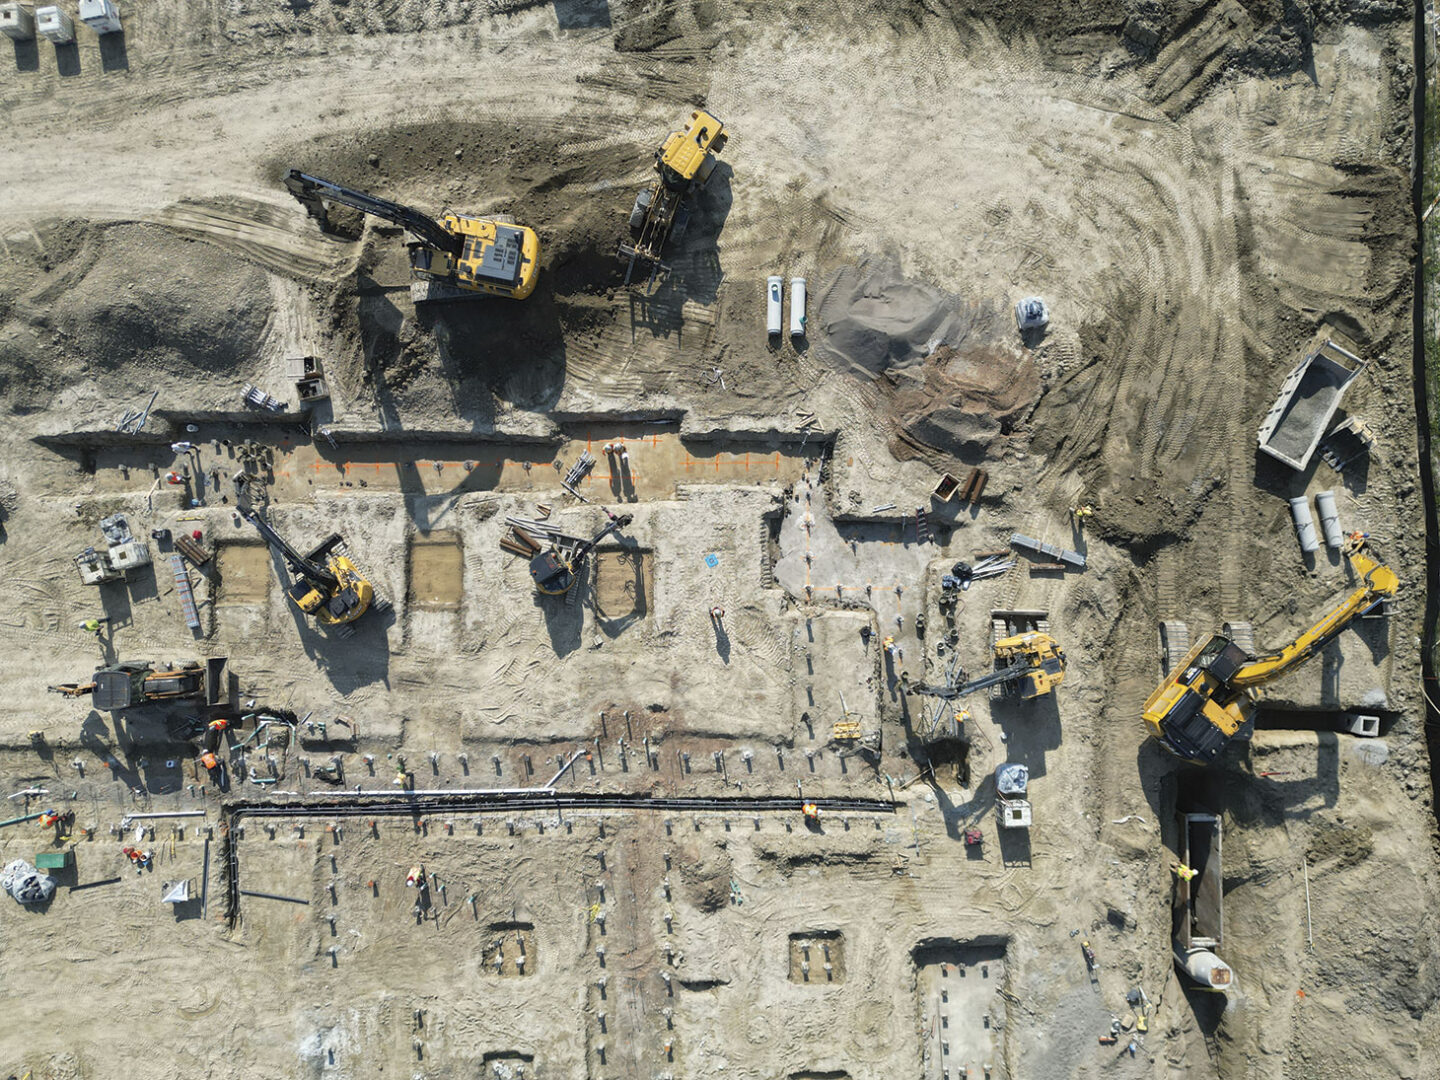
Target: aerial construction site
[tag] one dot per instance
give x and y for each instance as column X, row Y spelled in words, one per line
column 691, row 538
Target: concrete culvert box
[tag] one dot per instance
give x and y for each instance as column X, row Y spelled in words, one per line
column 54, row 25
column 100, row 16
column 17, row 22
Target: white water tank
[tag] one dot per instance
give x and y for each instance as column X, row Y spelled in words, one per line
column 54, row 25
column 797, row 307
column 774, row 290
column 100, row 16
column 17, row 22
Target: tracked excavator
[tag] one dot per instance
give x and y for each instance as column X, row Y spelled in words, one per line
column 1212, row 693
column 1027, row 666
column 556, row 569
column 661, row 213
column 449, row 258
column 333, row 592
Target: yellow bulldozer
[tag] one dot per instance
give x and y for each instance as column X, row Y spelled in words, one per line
column 1212, row 693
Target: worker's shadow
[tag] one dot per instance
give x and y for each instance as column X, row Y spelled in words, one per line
column 722, row 640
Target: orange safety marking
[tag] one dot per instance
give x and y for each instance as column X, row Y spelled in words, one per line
column 747, row 461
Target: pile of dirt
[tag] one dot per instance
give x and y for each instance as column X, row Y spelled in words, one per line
column 967, row 399
column 958, row 374
column 873, row 320
column 153, row 302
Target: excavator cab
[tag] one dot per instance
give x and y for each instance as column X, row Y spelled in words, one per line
column 1210, row 695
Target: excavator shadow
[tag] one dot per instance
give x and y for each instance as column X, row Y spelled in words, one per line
column 1255, row 794
column 1031, row 729
column 494, row 348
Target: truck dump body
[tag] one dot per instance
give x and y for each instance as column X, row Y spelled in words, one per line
column 1308, row 399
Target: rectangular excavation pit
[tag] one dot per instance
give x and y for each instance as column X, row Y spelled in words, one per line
column 509, row 950
column 624, row 588
column 437, row 565
column 245, row 572
column 817, row 957
column 961, row 985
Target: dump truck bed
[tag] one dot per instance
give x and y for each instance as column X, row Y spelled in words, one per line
column 1307, row 402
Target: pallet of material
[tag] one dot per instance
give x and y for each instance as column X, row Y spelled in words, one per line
column 191, row 550
column 1064, row 555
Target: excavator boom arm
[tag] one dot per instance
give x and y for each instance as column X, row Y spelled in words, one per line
column 1376, row 582
column 297, row 562
column 313, row 191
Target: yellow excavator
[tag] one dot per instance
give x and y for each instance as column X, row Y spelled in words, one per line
column 1027, row 666
column 334, row 593
column 449, row 258
column 1211, row 694
column 683, row 163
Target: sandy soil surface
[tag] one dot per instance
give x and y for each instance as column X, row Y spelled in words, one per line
column 1193, row 188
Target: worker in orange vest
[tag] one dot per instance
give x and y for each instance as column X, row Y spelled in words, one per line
column 215, row 733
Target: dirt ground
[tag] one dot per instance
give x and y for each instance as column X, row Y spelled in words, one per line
column 1193, row 188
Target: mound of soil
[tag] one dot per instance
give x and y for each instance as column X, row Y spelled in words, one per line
column 958, row 374
column 151, row 300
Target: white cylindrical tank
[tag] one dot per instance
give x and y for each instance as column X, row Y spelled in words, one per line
column 1329, row 518
column 100, row 16
column 54, row 25
column 1304, row 524
column 774, row 288
column 797, row 307
column 16, row 22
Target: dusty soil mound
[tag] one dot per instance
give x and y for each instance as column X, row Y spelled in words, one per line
column 959, row 375
column 873, row 319
column 154, row 301
column 967, row 399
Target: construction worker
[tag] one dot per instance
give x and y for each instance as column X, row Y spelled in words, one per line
column 894, row 650
column 215, row 733
column 50, row 817
column 92, row 626
column 717, row 613
column 415, row 879
column 1183, row 872
column 811, row 811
